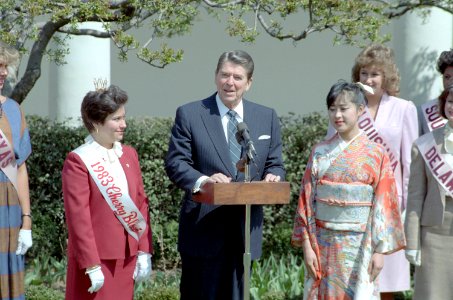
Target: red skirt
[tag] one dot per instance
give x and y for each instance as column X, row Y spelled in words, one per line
column 118, row 282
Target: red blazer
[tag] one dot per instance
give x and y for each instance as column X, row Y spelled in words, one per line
column 94, row 233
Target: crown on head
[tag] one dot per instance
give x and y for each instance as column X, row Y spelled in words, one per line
column 100, row 84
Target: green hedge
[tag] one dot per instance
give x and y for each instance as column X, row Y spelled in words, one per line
column 51, row 141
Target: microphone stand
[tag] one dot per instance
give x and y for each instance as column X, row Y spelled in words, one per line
column 247, row 254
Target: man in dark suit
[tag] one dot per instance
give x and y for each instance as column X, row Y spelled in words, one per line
column 211, row 237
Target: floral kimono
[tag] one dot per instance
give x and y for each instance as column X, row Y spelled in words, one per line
column 348, row 209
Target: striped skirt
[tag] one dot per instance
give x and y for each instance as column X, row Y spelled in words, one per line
column 11, row 265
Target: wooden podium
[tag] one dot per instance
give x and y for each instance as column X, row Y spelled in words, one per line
column 245, row 193
column 233, row 193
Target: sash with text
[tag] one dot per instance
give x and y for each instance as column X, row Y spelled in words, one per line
column 436, row 162
column 116, row 196
column 366, row 123
column 8, row 160
column 432, row 116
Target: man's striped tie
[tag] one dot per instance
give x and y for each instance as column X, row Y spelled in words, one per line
column 235, row 148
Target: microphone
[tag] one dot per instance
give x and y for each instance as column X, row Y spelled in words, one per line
column 244, row 136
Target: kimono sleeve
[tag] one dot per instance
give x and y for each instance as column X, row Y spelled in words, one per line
column 304, row 221
column 387, row 227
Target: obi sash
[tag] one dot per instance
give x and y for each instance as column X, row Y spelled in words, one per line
column 343, row 206
column 8, row 160
column 432, row 116
column 435, row 160
column 115, row 194
column 366, row 123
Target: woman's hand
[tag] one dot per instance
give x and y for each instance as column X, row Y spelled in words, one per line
column 310, row 260
column 375, row 266
column 24, row 241
column 96, row 277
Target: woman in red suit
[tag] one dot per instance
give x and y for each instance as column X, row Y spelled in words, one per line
column 109, row 237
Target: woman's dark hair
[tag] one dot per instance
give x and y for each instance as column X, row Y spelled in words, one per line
column 97, row 105
column 443, row 99
column 445, row 60
column 342, row 87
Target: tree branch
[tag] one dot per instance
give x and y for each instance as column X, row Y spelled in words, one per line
column 33, row 69
column 403, row 7
column 279, row 36
column 90, row 32
column 224, row 5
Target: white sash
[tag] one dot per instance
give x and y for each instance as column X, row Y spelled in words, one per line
column 366, row 123
column 116, row 196
column 432, row 116
column 436, row 162
column 8, row 160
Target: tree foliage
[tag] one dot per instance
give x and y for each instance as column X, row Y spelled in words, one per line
column 37, row 22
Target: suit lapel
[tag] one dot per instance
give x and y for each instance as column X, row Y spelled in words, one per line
column 213, row 124
column 253, row 118
column 250, row 116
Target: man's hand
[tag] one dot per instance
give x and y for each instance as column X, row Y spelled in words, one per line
column 217, row 178
column 271, row 178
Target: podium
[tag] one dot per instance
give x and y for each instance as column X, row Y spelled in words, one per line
column 245, row 193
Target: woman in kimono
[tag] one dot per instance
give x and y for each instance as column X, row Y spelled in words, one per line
column 106, row 208
column 15, row 213
column 347, row 217
column 429, row 218
column 392, row 122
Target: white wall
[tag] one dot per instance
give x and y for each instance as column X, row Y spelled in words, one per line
column 418, row 44
column 288, row 77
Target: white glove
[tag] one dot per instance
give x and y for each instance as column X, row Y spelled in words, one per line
column 403, row 216
column 24, row 241
column 414, row 257
column 97, row 279
column 143, row 267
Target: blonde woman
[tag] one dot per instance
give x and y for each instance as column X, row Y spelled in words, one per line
column 15, row 214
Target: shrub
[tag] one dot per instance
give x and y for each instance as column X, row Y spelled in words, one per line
column 277, row 278
column 159, row 293
column 42, row 292
column 299, row 135
column 51, row 141
column 164, row 285
column 47, row 270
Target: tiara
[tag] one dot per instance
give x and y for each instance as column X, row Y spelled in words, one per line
column 100, row 84
column 365, row 87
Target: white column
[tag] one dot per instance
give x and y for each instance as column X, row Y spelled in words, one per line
column 89, row 59
column 418, row 44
